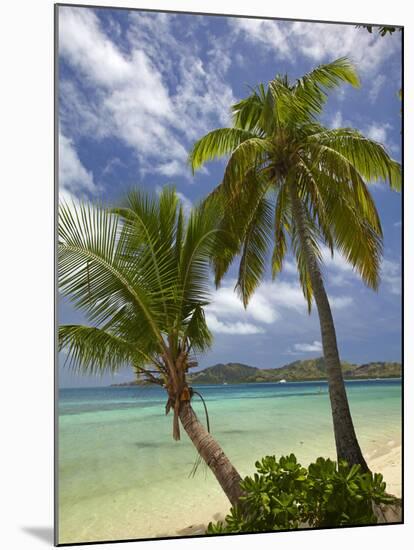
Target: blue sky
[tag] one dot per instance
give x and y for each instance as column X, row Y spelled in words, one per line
column 136, row 89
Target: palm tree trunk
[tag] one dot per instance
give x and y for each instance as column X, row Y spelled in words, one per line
column 212, row 453
column 347, row 446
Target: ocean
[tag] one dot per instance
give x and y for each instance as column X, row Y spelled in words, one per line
column 121, row 475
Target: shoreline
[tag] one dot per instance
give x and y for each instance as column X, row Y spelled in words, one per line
column 304, row 380
column 193, row 520
column 122, row 474
column 386, row 461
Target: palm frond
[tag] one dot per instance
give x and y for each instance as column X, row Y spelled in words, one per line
column 311, row 90
column 281, row 227
column 92, row 350
column 256, row 243
column 216, row 144
column 98, row 271
column 368, row 157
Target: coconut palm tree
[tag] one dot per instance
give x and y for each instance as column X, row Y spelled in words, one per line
column 290, row 180
column 140, row 275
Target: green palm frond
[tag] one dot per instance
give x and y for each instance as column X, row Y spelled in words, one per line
column 216, row 144
column 331, row 170
column 281, row 228
column 140, row 274
column 91, row 350
column 248, row 113
column 245, row 158
column 312, row 237
column 99, row 272
column 198, row 332
column 256, row 241
column 368, row 157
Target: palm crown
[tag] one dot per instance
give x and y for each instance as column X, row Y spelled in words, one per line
column 140, row 274
column 276, row 143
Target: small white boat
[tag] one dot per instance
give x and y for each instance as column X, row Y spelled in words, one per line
column 283, row 381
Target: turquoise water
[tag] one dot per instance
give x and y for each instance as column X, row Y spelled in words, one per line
column 122, row 476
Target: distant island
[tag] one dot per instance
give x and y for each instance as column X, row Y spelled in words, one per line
column 298, row 371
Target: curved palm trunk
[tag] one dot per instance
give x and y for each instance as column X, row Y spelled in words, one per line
column 212, row 453
column 347, row 446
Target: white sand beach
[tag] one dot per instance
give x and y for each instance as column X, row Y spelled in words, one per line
column 385, row 460
column 388, row 463
column 122, row 475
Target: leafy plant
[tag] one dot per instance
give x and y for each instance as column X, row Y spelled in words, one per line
column 283, row 495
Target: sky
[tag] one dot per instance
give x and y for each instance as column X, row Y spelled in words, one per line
column 137, row 89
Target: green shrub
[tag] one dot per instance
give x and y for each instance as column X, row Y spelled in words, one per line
column 284, row 495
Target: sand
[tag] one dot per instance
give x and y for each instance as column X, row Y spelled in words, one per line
column 385, row 460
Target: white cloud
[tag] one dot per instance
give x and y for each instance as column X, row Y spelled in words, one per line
column 398, row 224
column 290, row 267
column 226, row 303
column 340, row 273
column 269, row 33
column 337, row 120
column 319, row 42
column 336, row 262
column 271, row 304
column 237, row 327
column 301, row 348
column 74, row 178
column 378, row 132
column 391, row 275
column 377, row 85
column 315, row 346
column 154, row 103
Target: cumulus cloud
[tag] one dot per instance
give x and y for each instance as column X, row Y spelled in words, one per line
column 74, row 178
column 268, row 33
column 378, row 132
column 152, row 104
column 270, row 305
column 301, row 348
column 377, row 85
column 339, row 272
column 315, row 346
column 319, row 42
column 391, row 275
column 237, row 327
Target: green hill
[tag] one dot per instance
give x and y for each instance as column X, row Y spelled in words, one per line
column 309, row 369
column 231, row 373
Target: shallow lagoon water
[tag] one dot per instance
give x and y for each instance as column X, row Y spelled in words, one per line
column 122, row 476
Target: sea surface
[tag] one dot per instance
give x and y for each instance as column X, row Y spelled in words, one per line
column 122, row 476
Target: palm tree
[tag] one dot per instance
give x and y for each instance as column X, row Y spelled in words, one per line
column 288, row 179
column 140, row 274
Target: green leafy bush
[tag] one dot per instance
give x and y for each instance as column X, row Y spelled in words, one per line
column 284, row 495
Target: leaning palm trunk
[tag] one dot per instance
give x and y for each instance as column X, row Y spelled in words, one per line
column 213, row 455
column 141, row 274
column 179, row 401
column 347, row 446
